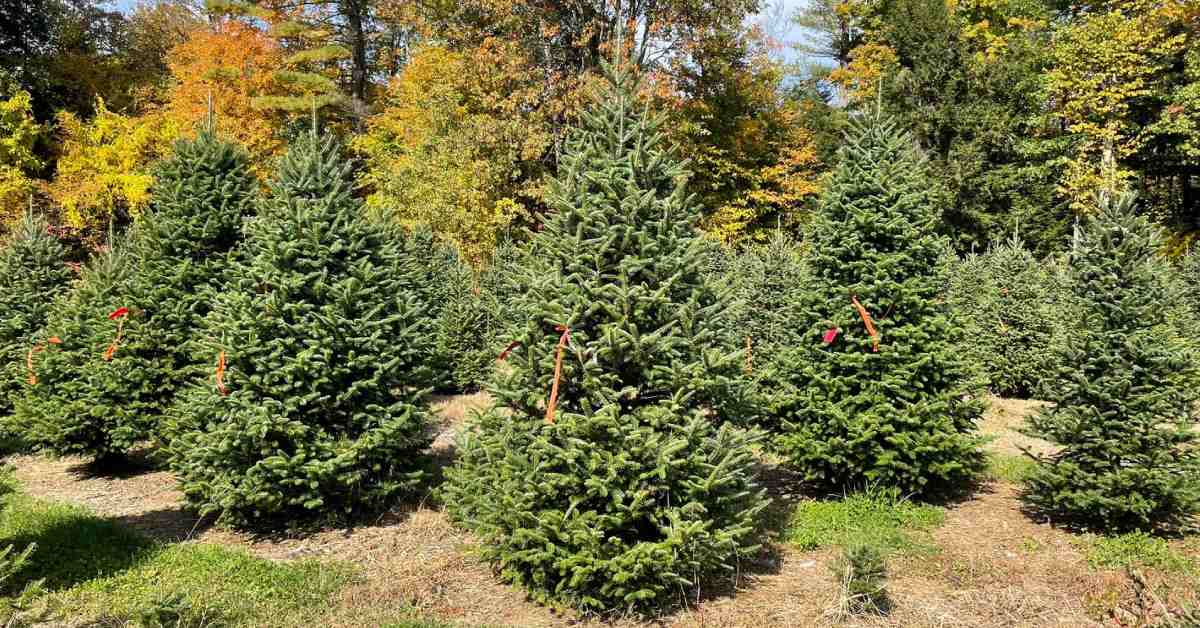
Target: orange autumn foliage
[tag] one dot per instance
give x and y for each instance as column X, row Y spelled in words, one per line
column 231, row 63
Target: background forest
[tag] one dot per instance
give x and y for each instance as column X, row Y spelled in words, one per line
column 456, row 111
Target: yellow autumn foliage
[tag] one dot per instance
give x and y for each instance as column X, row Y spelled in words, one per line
column 869, row 64
column 18, row 134
column 104, row 173
column 1107, row 65
column 448, row 148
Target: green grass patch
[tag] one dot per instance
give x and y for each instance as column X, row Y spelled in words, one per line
column 1009, row 468
column 98, row 570
column 876, row 517
column 1135, row 549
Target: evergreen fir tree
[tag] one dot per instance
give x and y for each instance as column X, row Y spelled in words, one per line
column 183, row 248
column 61, row 409
column 311, row 405
column 1008, row 301
column 439, row 272
column 33, row 273
column 1124, row 409
column 632, row 492
column 177, row 254
column 767, row 280
column 891, row 409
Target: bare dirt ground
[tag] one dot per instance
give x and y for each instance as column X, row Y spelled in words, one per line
column 1001, row 422
column 993, row 566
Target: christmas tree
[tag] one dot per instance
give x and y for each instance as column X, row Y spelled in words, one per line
column 1124, row 408
column 1008, row 299
column 314, row 401
column 131, row 366
column 605, row 477
column 878, row 391
column 183, row 248
column 33, row 273
column 62, row 408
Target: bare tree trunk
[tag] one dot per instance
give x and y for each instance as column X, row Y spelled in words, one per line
column 353, row 10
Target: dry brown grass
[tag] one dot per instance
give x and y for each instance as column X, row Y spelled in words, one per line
column 993, row 567
column 1001, row 422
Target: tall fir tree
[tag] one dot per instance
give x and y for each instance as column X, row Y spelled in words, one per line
column 33, row 273
column 891, row 408
column 177, row 255
column 314, row 404
column 1124, row 409
column 610, row 480
column 183, row 247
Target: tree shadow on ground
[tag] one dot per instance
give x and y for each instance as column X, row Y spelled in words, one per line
column 168, row 525
column 73, row 546
column 116, row 467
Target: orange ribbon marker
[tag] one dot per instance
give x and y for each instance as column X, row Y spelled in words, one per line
column 221, row 374
column 119, row 316
column 33, row 380
column 866, row 318
column 562, row 344
column 507, row 350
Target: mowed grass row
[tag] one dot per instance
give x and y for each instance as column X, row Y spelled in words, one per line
column 89, row 570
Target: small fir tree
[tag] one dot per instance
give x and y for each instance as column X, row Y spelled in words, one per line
column 464, row 334
column 1008, row 302
column 33, row 273
column 767, row 279
column 861, row 573
column 890, row 409
column 62, row 408
column 1124, row 408
column 632, row 492
column 315, row 401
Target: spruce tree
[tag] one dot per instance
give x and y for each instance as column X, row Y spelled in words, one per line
column 61, row 409
column 1124, row 409
column 626, row 490
column 33, row 273
column 893, row 408
column 314, row 399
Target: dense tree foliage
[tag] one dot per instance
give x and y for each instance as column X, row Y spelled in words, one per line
column 105, row 171
column 57, row 409
column 319, row 356
column 1015, row 308
column 878, row 391
column 33, row 273
column 1124, row 410
column 454, row 149
column 623, row 490
column 19, row 163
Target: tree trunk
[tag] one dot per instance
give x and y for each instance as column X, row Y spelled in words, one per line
column 353, row 11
